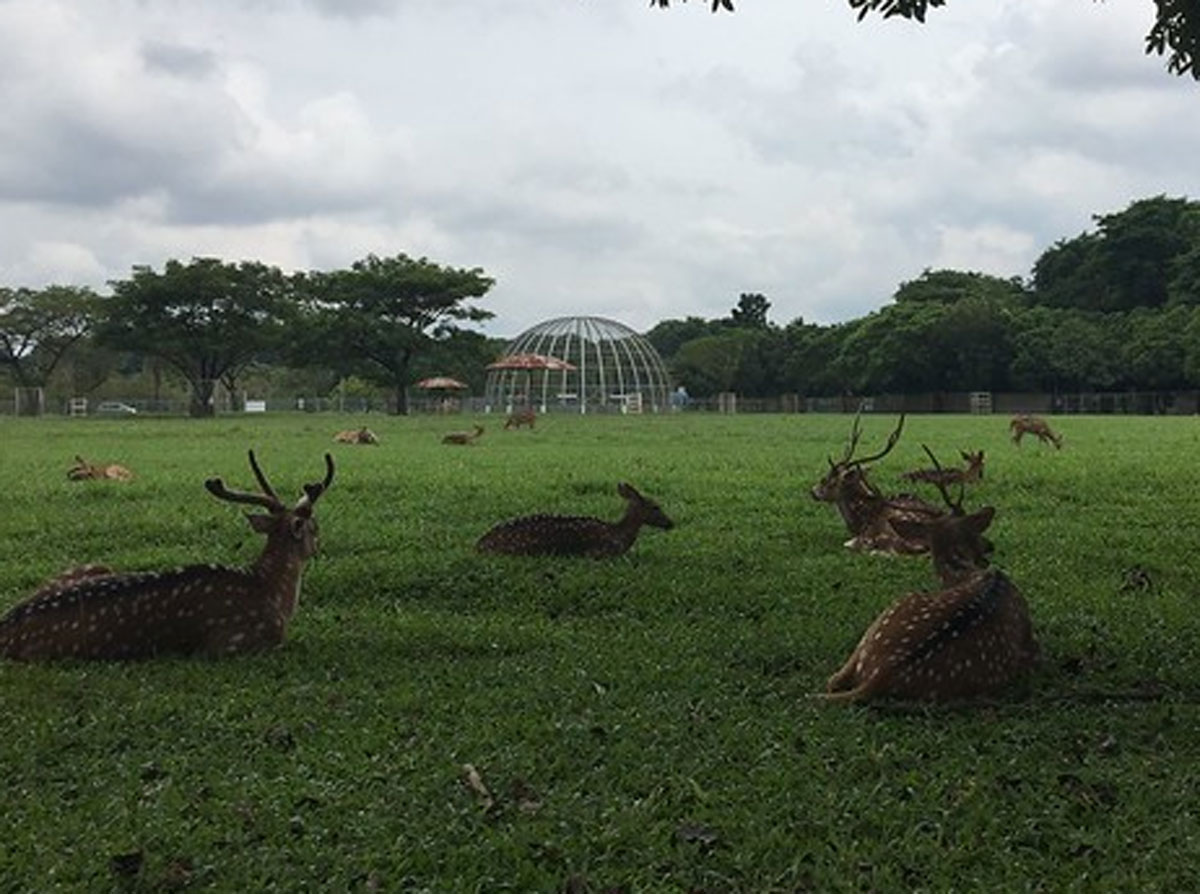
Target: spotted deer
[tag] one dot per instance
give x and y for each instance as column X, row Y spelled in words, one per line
column 576, row 535
column 93, row 612
column 517, row 418
column 868, row 514
column 362, row 435
column 970, row 475
column 463, row 437
column 86, row 471
column 1022, row 425
column 972, row 637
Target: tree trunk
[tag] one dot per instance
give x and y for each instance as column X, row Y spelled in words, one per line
column 201, row 405
column 401, row 400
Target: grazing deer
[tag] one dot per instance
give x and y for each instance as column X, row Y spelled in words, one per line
column 576, row 535
column 93, row 612
column 1022, row 425
column 521, row 417
column 868, row 514
column 970, row 475
column 86, row 471
column 463, row 437
column 972, row 637
column 362, row 435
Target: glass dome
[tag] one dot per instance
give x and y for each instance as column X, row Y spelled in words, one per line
column 613, row 370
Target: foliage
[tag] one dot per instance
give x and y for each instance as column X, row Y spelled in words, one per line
column 751, row 311
column 948, row 286
column 208, row 319
column 39, row 327
column 643, row 725
column 382, row 313
column 709, row 365
column 1176, row 25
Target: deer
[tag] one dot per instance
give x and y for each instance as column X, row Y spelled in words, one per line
column 463, row 437
column 576, row 535
column 517, row 418
column 362, row 435
column 973, row 637
column 86, row 471
column 970, row 475
column 1022, row 425
column 868, row 514
column 95, row 613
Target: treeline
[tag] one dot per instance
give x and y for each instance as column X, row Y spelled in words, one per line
column 1116, row 308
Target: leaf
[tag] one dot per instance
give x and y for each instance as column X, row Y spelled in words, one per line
column 475, row 783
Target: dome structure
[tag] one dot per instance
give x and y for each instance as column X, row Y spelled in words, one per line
column 609, row 368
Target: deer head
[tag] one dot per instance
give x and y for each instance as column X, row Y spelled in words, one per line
column 292, row 531
column 848, row 474
column 646, row 510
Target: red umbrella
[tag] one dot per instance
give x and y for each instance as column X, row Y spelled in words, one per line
column 441, row 382
column 531, row 361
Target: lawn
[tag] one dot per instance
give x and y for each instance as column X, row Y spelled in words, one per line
column 638, row 725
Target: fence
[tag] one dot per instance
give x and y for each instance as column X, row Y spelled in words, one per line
column 1005, row 403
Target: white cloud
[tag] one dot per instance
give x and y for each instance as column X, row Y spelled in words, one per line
column 595, row 157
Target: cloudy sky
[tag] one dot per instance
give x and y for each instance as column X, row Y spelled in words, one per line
column 594, row 156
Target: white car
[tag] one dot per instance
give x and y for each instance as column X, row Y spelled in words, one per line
column 115, row 407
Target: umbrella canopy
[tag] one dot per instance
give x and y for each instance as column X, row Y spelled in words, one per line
column 439, row 382
column 531, row 362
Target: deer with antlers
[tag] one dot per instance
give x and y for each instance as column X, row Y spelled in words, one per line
column 970, row 475
column 463, row 437
column 868, row 514
column 93, row 612
column 1022, row 425
column 524, row 416
column 86, row 471
column 576, row 535
column 972, row 637
column 362, row 435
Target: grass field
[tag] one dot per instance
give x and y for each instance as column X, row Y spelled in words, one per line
column 644, row 724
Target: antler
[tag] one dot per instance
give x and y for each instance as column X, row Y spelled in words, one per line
column 313, row 491
column 855, row 434
column 955, row 505
column 266, row 499
column 887, row 448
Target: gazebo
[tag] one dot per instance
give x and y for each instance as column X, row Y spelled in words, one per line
column 603, row 366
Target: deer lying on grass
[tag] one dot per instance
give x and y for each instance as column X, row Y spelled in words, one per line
column 362, row 435
column 463, row 437
column 970, row 475
column 93, row 612
column 868, row 514
column 521, row 417
column 86, row 471
column 1034, row 425
column 973, row 637
column 576, row 535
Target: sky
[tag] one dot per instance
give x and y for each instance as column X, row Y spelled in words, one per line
column 595, row 157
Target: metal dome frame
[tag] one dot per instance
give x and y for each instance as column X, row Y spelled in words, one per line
column 615, row 370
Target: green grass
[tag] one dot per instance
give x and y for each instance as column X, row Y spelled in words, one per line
column 644, row 725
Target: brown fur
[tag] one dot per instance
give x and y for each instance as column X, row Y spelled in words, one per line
column 362, row 435
column 1034, row 425
column 86, row 471
column 521, row 417
column 970, row 475
column 463, row 437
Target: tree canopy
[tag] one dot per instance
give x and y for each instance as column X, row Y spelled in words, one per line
column 38, row 327
column 1175, row 33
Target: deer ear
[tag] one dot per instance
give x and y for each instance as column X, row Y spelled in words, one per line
column 627, row 491
column 980, row 521
column 261, row 523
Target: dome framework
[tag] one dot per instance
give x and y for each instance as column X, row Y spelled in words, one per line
column 614, row 370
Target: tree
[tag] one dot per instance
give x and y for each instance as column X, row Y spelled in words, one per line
column 709, row 365
column 1176, row 25
column 668, row 336
column 751, row 311
column 208, row 319
column 38, row 328
column 949, row 286
column 383, row 313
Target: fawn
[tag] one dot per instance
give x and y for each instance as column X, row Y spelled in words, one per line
column 86, row 471
column 972, row 637
column 868, row 514
column 521, row 417
column 463, row 437
column 576, row 535
column 95, row 613
column 362, row 435
column 970, row 475
column 1034, row 425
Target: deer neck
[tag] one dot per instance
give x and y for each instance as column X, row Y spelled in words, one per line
column 278, row 570
column 626, row 530
column 859, row 507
